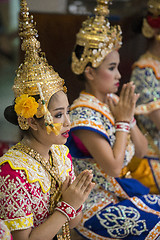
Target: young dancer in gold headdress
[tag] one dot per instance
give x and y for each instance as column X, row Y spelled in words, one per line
column 104, row 138
column 39, row 192
column 146, row 77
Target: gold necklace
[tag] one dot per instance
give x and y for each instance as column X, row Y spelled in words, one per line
column 56, row 184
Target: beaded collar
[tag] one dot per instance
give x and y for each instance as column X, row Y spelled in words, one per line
column 50, row 167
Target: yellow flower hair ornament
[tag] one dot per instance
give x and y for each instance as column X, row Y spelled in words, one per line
column 26, row 106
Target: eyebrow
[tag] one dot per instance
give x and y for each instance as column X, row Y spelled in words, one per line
column 60, row 108
column 113, row 63
column 56, row 109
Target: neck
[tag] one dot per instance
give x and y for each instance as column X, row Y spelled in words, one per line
column 155, row 49
column 36, row 145
column 93, row 91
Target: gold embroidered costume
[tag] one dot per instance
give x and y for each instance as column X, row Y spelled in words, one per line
column 25, row 200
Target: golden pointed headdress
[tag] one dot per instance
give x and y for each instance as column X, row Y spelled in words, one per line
column 97, row 37
column 151, row 22
column 34, row 76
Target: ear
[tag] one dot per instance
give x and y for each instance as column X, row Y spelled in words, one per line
column 89, row 73
column 33, row 123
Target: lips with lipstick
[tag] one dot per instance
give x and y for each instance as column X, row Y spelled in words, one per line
column 117, row 84
column 65, row 134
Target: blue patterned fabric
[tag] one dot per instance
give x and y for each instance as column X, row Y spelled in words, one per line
column 148, row 86
column 122, row 221
column 116, row 208
column 149, row 89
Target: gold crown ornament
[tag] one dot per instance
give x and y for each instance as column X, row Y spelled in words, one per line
column 34, row 77
column 97, row 37
column 154, row 7
column 151, row 21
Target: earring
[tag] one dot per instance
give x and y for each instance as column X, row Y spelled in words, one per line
column 23, row 123
column 147, row 30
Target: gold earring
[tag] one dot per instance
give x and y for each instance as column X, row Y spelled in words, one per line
column 23, row 123
column 147, row 30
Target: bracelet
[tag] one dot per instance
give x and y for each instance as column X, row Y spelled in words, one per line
column 132, row 122
column 122, row 126
column 66, row 209
column 79, row 210
column 122, row 121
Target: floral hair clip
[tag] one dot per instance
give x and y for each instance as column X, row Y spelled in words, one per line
column 26, row 106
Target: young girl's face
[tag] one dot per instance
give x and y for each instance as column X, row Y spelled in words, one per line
column 107, row 76
column 59, row 109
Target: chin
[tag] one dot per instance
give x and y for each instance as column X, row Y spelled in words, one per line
column 61, row 142
column 115, row 90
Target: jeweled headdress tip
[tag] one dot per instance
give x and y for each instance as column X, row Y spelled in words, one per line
column 34, row 77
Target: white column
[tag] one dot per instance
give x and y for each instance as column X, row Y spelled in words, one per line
column 14, row 7
column 52, row 6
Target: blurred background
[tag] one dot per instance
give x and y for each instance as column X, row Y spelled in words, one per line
column 58, row 21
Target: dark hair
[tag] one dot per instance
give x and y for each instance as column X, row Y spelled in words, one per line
column 136, row 25
column 79, row 51
column 10, row 114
